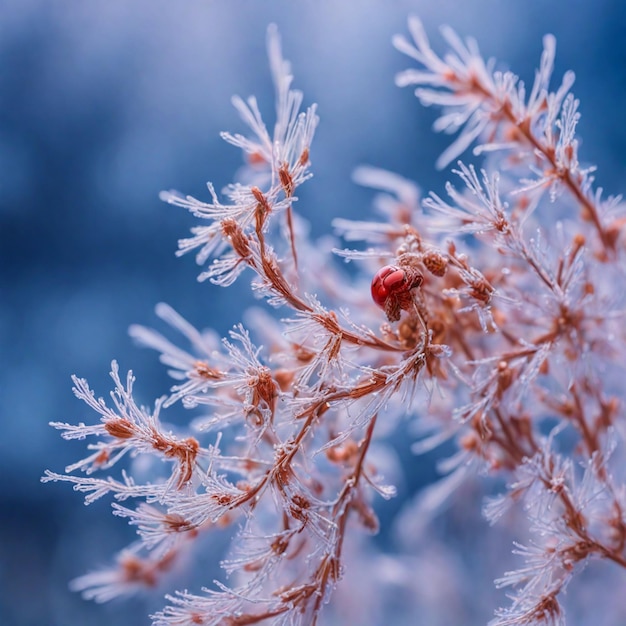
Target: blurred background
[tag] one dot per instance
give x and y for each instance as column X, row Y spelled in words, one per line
column 105, row 103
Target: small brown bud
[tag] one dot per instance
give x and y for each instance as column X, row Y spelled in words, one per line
column 286, row 180
column 435, row 263
column 120, row 428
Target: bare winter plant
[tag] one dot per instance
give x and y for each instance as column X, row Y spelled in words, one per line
column 492, row 318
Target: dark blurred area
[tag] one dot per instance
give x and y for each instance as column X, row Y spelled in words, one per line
column 105, row 103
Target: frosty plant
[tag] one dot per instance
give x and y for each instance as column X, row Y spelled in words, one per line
column 492, row 317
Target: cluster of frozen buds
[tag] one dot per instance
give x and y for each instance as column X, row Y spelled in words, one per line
column 503, row 317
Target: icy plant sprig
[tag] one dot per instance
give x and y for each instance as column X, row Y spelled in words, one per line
column 556, row 347
column 518, row 330
column 293, row 473
column 493, row 109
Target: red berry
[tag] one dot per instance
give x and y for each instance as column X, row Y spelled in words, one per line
column 388, row 280
column 391, row 289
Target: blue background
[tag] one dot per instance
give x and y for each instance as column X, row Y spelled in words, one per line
column 103, row 104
